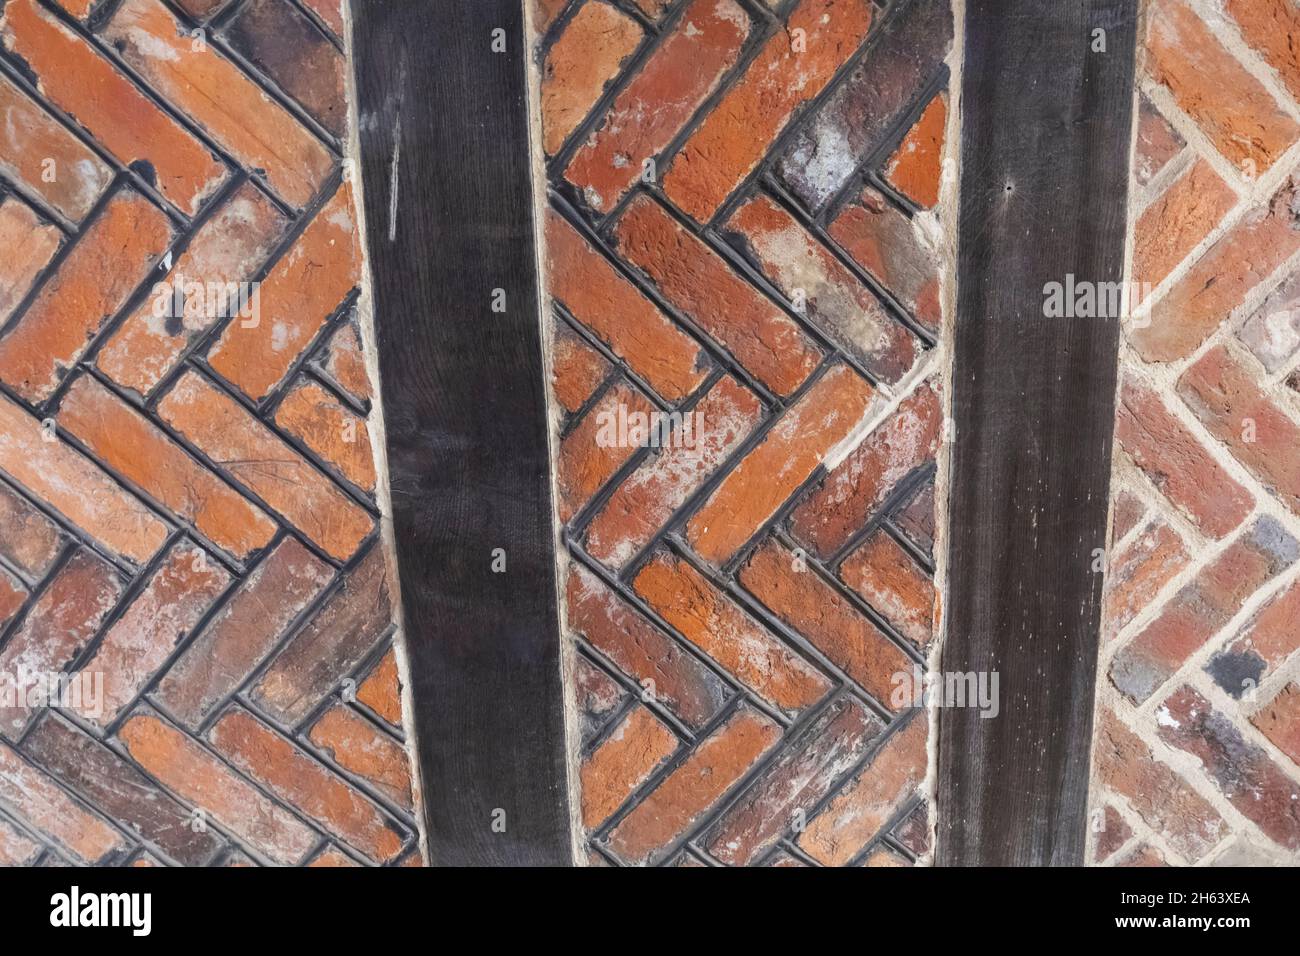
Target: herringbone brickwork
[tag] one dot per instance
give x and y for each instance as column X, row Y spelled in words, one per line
column 188, row 514
column 744, row 243
column 1197, row 743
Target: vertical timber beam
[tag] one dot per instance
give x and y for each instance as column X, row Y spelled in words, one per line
column 445, row 162
column 1047, row 109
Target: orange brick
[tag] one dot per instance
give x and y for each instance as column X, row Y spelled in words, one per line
column 138, row 450
column 261, row 461
column 27, row 538
column 92, row 283
column 734, row 137
column 697, row 281
column 916, row 165
column 621, row 763
column 642, row 504
column 332, row 857
column 330, row 13
column 588, row 457
column 698, row 610
column 751, row 493
column 219, row 97
column 588, row 54
column 1157, row 142
column 345, row 362
column 1174, row 223
column 809, row 605
column 228, row 248
column 578, row 369
column 892, row 583
column 13, row 593
column 694, row 786
column 681, row 73
column 622, row 317
column 326, row 426
column 1234, row 110
column 29, row 137
column 382, row 690
column 294, row 777
column 43, row 805
column 57, row 628
column 1271, row 27
column 28, row 247
column 204, row 782
column 76, row 487
column 144, row 637
column 302, row 290
column 356, row 745
column 1137, row 572
column 100, row 97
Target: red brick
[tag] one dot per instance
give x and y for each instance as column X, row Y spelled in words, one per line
column 626, row 321
column 58, row 626
column 294, row 777
column 1112, row 834
column 97, row 95
column 1262, row 645
column 1128, row 510
column 228, row 248
column 916, row 520
column 1137, row 572
column 330, row 429
column 621, row 763
column 794, row 783
column 676, row 679
column 261, row 461
column 1178, row 220
column 578, row 369
column 916, row 166
column 78, row 8
column 161, row 616
column 345, row 362
column 29, row 137
column 830, row 623
column 331, row 857
column 1233, row 109
column 13, row 594
column 1143, row 855
column 1162, row 798
column 305, row 286
column 1178, row 464
column 1203, row 298
column 243, row 632
column 648, row 497
column 589, row 455
column 801, row 267
column 135, row 448
column 694, row 786
column 28, row 246
column 697, row 281
column 594, row 45
column 1157, row 142
column 1279, row 721
column 207, row 784
column 27, row 538
column 733, row 138
column 859, row 118
column 544, row 12
column 46, row 808
column 1203, row 606
column 357, row 746
column 330, row 13
column 382, row 690
column 858, row 485
column 681, row 73
column 15, row 848
column 76, row 487
column 838, row 834
column 892, row 583
column 221, row 99
column 92, row 283
column 1271, row 26
column 750, row 494
column 330, row 646
column 597, row 695
column 888, row 245
column 1272, row 331
column 1247, row 776
column 284, row 44
column 1225, row 397
column 716, row 625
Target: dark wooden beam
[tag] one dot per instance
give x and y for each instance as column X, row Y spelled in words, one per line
column 1045, row 149
column 449, row 212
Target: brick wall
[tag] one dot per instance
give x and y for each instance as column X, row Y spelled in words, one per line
column 1197, row 742
column 745, row 224
column 188, row 493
